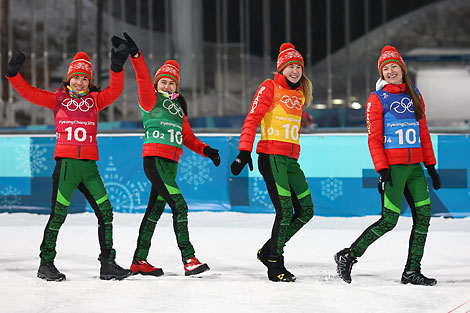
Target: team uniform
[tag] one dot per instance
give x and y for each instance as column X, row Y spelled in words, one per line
column 278, row 108
column 399, row 142
column 76, row 153
column 166, row 131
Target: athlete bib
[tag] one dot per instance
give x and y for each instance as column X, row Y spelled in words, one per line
column 282, row 121
column 401, row 129
column 76, row 119
column 164, row 122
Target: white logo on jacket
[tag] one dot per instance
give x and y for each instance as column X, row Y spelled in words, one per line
column 173, row 108
column 84, row 104
column 292, row 102
column 405, row 104
column 255, row 102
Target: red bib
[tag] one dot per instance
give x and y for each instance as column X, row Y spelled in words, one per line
column 76, row 119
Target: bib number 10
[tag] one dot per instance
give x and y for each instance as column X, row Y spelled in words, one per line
column 410, row 136
column 289, row 132
column 174, row 136
column 79, row 134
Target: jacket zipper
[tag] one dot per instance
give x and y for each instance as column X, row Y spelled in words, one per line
column 292, row 150
column 79, row 152
column 409, row 155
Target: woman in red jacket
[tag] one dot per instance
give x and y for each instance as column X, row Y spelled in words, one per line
column 76, row 108
column 399, row 141
column 278, row 104
column 166, row 129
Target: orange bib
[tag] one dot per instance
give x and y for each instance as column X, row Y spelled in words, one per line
column 282, row 121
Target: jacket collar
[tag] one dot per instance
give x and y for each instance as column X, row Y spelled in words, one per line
column 281, row 80
column 396, row 89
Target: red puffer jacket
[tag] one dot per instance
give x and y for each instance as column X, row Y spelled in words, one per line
column 48, row 99
column 383, row 158
column 261, row 104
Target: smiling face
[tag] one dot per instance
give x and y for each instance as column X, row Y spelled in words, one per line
column 293, row 72
column 166, row 84
column 392, row 73
column 79, row 83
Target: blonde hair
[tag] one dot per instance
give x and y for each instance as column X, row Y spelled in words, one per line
column 306, row 89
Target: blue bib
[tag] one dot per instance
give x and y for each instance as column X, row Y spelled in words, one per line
column 401, row 129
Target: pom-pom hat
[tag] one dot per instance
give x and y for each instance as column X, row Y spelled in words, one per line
column 390, row 54
column 170, row 69
column 80, row 66
column 287, row 56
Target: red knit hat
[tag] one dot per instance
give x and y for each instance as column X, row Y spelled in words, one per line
column 170, row 69
column 288, row 55
column 390, row 54
column 80, row 66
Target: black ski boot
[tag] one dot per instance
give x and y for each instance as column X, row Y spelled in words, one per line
column 344, row 262
column 49, row 272
column 111, row 270
column 263, row 253
column 277, row 270
column 416, row 278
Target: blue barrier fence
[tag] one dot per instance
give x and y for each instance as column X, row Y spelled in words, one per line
column 338, row 168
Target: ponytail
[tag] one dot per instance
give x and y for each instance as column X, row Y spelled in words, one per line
column 306, row 89
column 410, row 90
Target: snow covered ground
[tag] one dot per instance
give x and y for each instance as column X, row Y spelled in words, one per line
column 237, row 281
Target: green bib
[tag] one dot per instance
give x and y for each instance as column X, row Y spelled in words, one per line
column 164, row 122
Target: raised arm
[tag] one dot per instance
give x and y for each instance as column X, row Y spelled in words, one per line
column 116, row 81
column 147, row 95
column 32, row 94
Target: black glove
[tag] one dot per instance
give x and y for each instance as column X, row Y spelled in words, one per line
column 128, row 41
column 384, row 178
column 15, row 63
column 436, row 180
column 119, row 57
column 239, row 163
column 212, row 154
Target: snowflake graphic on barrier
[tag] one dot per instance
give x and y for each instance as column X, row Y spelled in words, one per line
column 35, row 154
column 260, row 193
column 195, row 171
column 125, row 197
column 9, row 197
column 332, row 188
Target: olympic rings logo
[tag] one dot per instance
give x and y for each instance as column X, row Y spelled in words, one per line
column 292, row 102
column 83, row 104
column 173, row 108
column 405, row 104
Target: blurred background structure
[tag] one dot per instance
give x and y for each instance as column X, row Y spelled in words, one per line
column 226, row 48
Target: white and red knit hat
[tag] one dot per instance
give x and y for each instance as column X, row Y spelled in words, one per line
column 287, row 56
column 390, row 54
column 80, row 66
column 170, row 69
